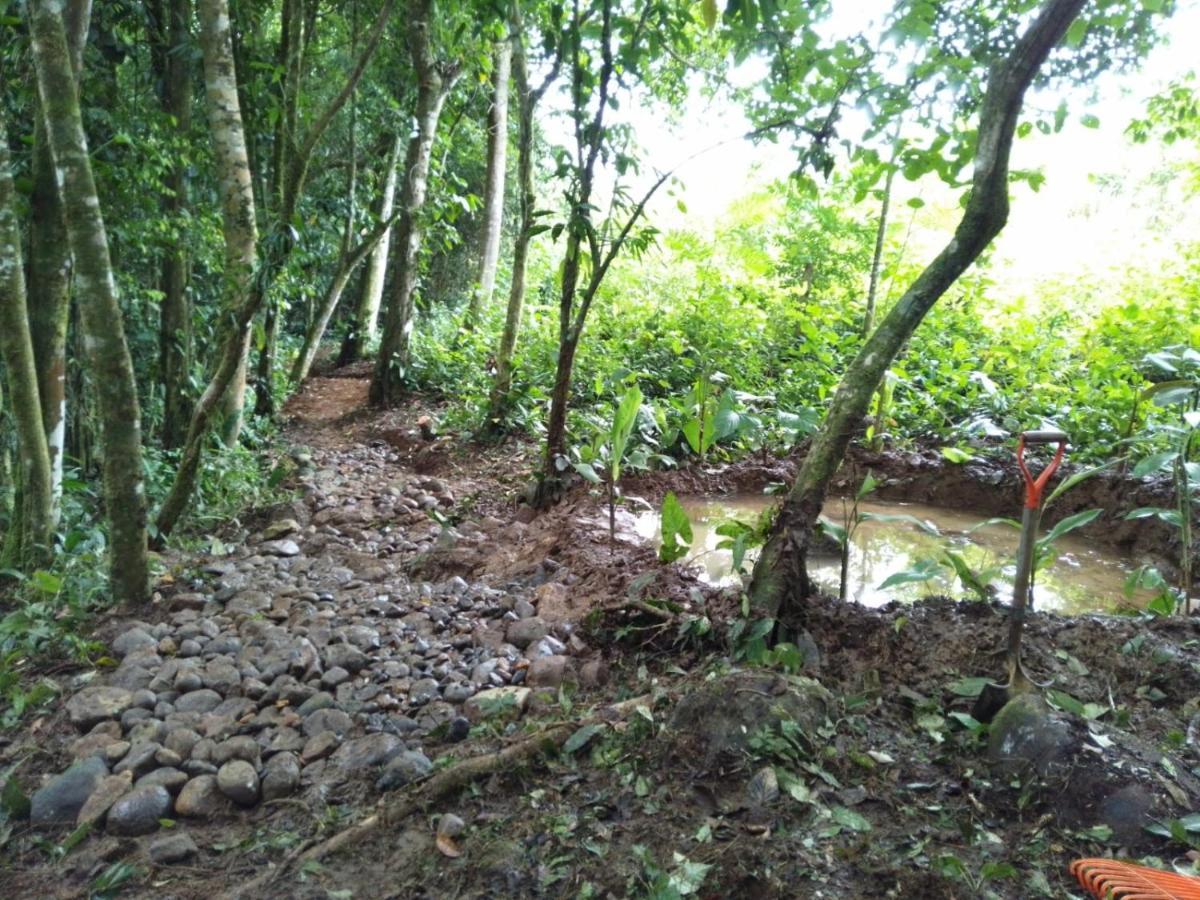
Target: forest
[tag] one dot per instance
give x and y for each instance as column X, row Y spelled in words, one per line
column 596, row 449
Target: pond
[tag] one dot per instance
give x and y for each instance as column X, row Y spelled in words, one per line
column 1083, row 577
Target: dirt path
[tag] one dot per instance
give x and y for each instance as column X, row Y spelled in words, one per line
column 404, row 613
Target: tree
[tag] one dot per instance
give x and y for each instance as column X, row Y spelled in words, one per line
column 29, row 540
column 366, row 317
column 528, row 98
column 240, row 230
column 49, row 279
column 493, row 194
column 170, row 23
column 780, row 575
column 435, row 78
column 100, row 311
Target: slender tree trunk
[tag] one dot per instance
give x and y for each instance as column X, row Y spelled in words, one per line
column 241, row 238
column 366, row 316
column 29, row 540
column 49, row 286
column 100, row 312
column 433, row 85
column 175, row 322
column 312, row 338
column 493, row 195
column 780, row 575
column 877, row 257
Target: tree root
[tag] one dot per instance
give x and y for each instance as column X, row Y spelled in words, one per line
column 396, row 809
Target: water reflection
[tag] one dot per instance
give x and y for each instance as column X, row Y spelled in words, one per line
column 1082, row 578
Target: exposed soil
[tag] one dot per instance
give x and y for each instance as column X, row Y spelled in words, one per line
column 875, row 787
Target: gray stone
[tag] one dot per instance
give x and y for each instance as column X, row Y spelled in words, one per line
column 334, row 720
column 423, row 691
column 321, row 700
column 133, row 640
column 281, row 776
column 108, row 792
column 188, row 680
column 405, row 767
column 249, row 603
column 222, row 676
column 524, row 632
column 139, row 760
column 335, row 676
column 181, row 740
column 95, row 704
column 362, row 753
column 280, row 548
column 147, row 731
column 170, row 778
column 241, row 747
column 59, row 801
column 345, row 656
column 201, row 701
column 457, row 692
column 238, row 781
column 172, row 848
column 145, row 698
column 320, row 746
column 1026, row 736
column 138, row 811
column 199, row 798
column 524, row 609
column 280, row 528
column 165, row 757
column 550, row 671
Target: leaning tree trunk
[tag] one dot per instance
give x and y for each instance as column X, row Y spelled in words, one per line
column 493, row 194
column 30, row 536
column 366, row 317
column 780, row 575
column 49, row 285
column 312, row 337
column 100, row 312
column 241, row 236
column 433, row 85
column 526, row 102
column 868, row 321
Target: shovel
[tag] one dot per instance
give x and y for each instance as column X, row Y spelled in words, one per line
column 993, row 696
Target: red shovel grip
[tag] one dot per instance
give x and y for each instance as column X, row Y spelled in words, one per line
column 1034, row 488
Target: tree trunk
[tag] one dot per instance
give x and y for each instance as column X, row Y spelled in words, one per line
column 366, row 317
column 312, row 338
column 100, row 312
column 433, row 85
column 49, row 286
column 493, row 195
column 780, row 576
column 29, row 541
column 877, row 257
column 175, row 323
column 241, row 237
column 526, row 101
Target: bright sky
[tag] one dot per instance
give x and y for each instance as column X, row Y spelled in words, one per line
column 1071, row 226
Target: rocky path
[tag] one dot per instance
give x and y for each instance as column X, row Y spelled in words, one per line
column 304, row 664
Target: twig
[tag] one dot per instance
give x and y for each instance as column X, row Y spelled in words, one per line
column 395, row 809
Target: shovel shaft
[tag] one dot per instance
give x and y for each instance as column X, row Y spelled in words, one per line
column 1022, row 598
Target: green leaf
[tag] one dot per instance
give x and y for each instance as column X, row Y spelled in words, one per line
column 1077, row 478
column 968, row 687
column 46, row 582
column 957, row 456
column 1069, row 524
column 622, row 426
column 708, row 9
column 848, row 818
column 924, row 570
column 1170, row 516
column 1155, row 462
column 13, row 801
column 676, row 530
column 587, row 471
column 922, row 524
column 1076, row 33
column 580, row 738
column 1090, row 121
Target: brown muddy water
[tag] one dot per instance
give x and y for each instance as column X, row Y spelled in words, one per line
column 1083, row 577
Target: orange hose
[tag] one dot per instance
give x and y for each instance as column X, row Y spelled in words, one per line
column 1109, row 879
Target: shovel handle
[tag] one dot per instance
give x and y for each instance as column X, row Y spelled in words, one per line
column 1035, row 487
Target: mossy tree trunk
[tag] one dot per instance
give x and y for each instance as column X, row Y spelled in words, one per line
column 434, row 82
column 169, row 36
column 49, row 281
column 28, row 543
column 366, row 317
column 240, row 229
column 100, row 312
column 493, row 194
column 527, row 100
column 780, row 578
